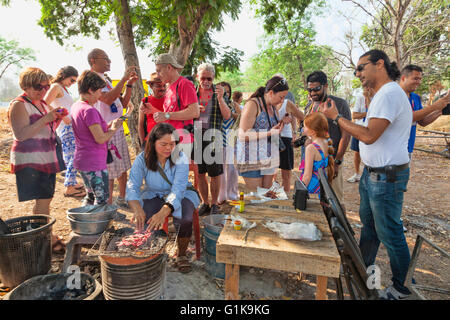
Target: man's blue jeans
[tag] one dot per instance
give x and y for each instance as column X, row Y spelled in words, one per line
column 380, row 210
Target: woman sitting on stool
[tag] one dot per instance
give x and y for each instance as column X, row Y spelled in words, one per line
column 165, row 171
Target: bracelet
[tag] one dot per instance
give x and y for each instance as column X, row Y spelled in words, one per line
column 129, row 86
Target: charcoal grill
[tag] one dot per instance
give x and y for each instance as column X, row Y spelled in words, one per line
column 131, row 273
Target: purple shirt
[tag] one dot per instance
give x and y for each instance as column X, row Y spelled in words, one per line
column 89, row 155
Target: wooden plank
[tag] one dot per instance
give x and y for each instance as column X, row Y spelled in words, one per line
column 266, row 249
column 321, row 288
column 232, row 282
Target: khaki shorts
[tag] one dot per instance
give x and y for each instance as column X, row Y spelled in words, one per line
column 338, row 185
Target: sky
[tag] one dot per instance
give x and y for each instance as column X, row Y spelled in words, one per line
column 19, row 22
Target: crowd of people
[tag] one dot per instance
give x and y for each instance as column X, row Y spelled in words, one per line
column 207, row 130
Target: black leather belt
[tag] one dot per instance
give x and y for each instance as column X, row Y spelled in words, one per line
column 383, row 169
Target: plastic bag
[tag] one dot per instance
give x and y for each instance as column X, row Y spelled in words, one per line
column 296, row 230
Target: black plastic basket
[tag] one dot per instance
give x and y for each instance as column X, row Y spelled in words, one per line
column 27, row 251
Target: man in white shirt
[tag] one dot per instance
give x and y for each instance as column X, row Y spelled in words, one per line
column 383, row 149
column 111, row 108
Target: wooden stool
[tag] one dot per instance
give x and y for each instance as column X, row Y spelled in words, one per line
column 73, row 248
column 196, row 226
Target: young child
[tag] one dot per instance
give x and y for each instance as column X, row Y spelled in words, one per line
column 318, row 154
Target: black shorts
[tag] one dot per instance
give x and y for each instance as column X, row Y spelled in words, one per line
column 287, row 156
column 213, row 169
column 33, row 184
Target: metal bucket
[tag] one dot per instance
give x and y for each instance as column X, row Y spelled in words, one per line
column 27, row 251
column 144, row 281
column 215, row 269
column 214, row 223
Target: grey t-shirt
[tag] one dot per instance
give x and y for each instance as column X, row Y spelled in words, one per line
column 334, row 130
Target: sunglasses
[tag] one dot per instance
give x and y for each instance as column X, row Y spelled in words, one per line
column 360, row 68
column 282, row 81
column 206, row 79
column 316, row 89
column 39, row 87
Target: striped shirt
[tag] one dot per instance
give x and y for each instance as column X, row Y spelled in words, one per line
column 38, row 152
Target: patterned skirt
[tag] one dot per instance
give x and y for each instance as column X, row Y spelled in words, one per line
column 119, row 166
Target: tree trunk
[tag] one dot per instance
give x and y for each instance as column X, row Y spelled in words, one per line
column 126, row 39
column 187, row 31
column 302, row 71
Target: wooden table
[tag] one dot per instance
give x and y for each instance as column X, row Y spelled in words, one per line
column 265, row 249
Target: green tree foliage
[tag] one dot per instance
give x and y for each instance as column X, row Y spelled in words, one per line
column 12, row 55
column 289, row 47
column 411, row 31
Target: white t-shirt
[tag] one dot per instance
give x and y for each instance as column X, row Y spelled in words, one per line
column 391, row 148
column 360, row 106
column 103, row 108
column 286, row 132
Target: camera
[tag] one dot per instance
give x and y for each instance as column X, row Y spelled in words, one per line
column 189, row 128
column 300, row 141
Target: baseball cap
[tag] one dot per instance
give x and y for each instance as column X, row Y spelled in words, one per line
column 167, row 58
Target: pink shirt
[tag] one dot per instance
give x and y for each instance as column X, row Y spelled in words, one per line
column 105, row 109
column 187, row 96
column 89, row 155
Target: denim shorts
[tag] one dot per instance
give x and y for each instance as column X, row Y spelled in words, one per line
column 354, row 144
column 258, row 173
column 33, row 184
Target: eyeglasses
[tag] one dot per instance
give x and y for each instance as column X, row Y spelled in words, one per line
column 157, row 85
column 282, row 81
column 206, row 79
column 360, row 67
column 39, row 87
column 104, row 58
column 316, row 89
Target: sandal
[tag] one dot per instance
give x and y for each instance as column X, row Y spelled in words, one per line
column 183, row 264
column 79, row 186
column 58, row 247
column 75, row 194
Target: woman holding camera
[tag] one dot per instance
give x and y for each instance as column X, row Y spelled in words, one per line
column 33, row 152
column 164, row 170
column 259, row 131
column 59, row 96
column 92, row 134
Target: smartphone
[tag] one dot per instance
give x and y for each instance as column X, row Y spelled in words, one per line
column 125, row 117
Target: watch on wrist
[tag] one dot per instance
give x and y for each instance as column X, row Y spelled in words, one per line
column 338, row 162
column 335, row 121
column 167, row 115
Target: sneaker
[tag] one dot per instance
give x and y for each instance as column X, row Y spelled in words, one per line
column 390, row 293
column 204, row 209
column 354, row 178
column 215, row 209
column 120, row 202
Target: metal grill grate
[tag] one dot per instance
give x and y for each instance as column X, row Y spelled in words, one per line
column 106, row 245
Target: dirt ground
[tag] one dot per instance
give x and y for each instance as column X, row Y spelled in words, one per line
column 426, row 211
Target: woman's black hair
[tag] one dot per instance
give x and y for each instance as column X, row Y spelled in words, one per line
column 391, row 67
column 275, row 84
column 64, row 73
column 150, row 156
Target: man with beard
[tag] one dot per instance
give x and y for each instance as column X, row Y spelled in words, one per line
column 317, row 87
